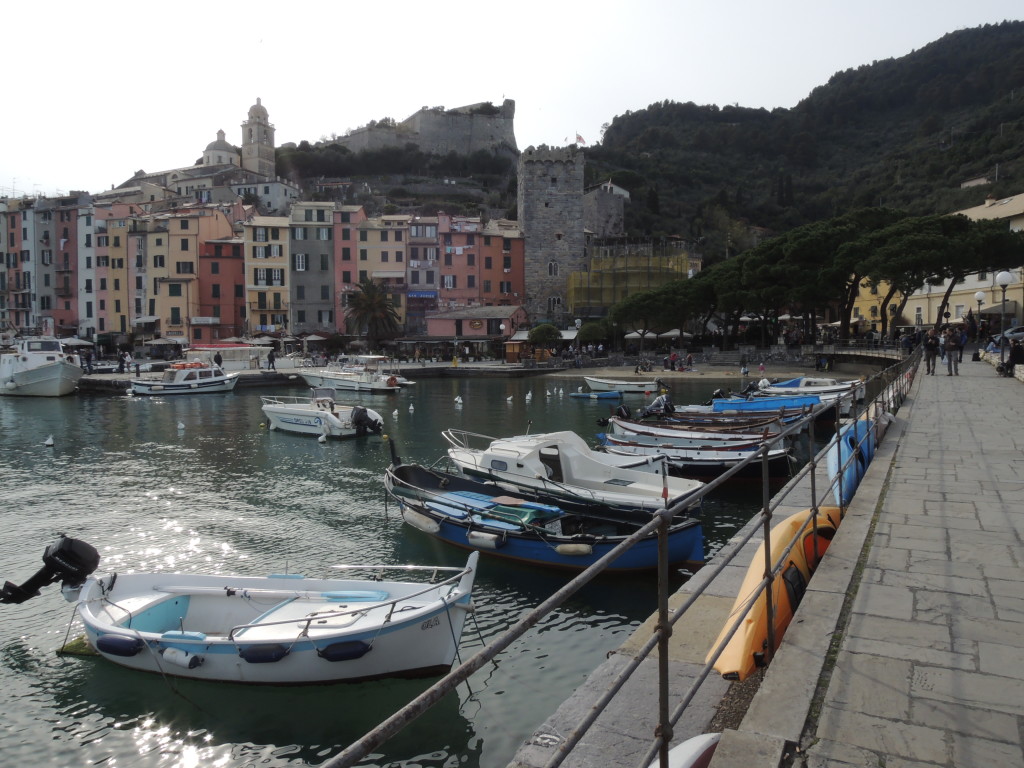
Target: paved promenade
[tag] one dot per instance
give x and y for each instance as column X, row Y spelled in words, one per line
column 930, row 670
column 908, row 648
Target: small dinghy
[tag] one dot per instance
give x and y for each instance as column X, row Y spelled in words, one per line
column 284, row 629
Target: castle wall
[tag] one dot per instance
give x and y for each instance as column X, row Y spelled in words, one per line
column 441, row 132
column 550, row 203
column 604, row 213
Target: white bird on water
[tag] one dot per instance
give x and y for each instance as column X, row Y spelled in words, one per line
column 395, row 413
column 508, row 399
column 458, row 399
column 48, row 442
column 411, row 408
column 181, row 426
column 547, row 393
column 529, row 396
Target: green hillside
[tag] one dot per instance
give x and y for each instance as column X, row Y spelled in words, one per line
column 901, row 133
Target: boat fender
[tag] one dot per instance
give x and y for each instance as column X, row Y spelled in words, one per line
column 392, row 381
column 485, row 540
column 263, row 654
column 575, row 550
column 181, row 658
column 344, row 651
column 119, row 645
column 421, row 522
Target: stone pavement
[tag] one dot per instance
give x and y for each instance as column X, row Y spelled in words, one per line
column 908, row 648
column 929, row 665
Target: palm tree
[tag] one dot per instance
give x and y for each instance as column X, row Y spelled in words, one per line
column 370, row 310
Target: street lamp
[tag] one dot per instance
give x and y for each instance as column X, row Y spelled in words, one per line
column 501, row 328
column 980, row 298
column 1003, row 279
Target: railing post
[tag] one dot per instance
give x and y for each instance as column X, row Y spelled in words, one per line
column 767, row 512
column 664, row 730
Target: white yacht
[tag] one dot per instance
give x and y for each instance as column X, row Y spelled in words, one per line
column 38, row 366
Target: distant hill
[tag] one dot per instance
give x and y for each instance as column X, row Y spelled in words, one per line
column 904, row 133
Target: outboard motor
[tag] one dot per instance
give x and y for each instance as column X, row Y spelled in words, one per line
column 67, row 560
column 363, row 423
column 623, row 412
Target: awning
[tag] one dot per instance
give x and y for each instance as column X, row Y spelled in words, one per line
column 163, row 342
column 72, row 342
column 388, row 273
column 997, row 308
column 146, row 319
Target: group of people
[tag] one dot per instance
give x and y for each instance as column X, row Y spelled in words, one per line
column 947, row 345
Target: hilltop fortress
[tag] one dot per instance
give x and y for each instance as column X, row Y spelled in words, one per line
column 439, row 131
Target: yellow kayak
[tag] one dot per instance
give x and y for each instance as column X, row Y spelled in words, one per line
column 747, row 648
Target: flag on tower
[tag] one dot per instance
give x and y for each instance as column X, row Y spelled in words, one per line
column 579, row 139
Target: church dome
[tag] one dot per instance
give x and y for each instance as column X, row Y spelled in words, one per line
column 220, row 144
column 257, row 110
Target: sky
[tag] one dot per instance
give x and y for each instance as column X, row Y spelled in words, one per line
column 96, row 92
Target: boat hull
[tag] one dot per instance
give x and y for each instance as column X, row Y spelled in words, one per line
column 746, row 649
column 52, row 379
column 849, row 456
column 297, row 631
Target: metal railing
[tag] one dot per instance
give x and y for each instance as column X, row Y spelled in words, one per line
column 893, row 383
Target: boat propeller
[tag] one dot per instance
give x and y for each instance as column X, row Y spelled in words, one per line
column 66, row 560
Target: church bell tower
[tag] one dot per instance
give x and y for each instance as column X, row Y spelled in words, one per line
column 258, row 142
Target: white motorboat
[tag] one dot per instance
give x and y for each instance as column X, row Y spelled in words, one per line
column 320, row 414
column 813, row 385
column 187, row 379
column 38, row 366
column 627, row 387
column 353, row 378
column 385, row 368
column 282, row 630
column 561, row 467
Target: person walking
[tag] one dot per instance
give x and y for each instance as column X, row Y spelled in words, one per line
column 952, row 347
column 931, row 351
column 271, row 357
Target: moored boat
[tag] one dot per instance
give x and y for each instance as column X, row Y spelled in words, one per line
column 559, row 467
column 615, row 385
column 320, row 414
column 813, row 385
column 351, row 380
column 701, row 462
column 187, row 378
column 282, row 630
column 480, row 516
column 38, row 366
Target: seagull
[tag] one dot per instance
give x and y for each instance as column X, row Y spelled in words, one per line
column 579, row 389
column 48, row 442
column 411, row 408
column 547, row 393
column 181, row 426
column 395, row 413
column 529, row 396
column 458, row 399
column 508, row 399
column 561, row 391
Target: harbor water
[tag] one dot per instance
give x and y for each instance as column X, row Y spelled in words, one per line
column 198, row 484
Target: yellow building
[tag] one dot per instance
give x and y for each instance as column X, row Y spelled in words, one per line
column 381, row 257
column 266, row 274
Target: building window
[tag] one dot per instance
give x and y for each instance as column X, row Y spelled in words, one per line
column 362, row 254
column 449, row 282
column 325, row 292
column 299, row 260
column 471, row 281
column 184, row 243
column 300, row 292
column 300, row 233
column 346, row 254
column 552, row 269
column 383, row 235
column 323, row 233
column 487, row 286
column 215, row 288
column 174, row 289
column 384, row 256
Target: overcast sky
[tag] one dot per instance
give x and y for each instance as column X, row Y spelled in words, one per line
column 95, row 92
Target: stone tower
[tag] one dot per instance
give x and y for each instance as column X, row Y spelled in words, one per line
column 550, row 204
column 258, row 142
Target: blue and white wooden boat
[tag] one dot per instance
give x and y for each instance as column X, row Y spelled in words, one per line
column 612, row 394
column 480, row 516
column 702, row 462
column 283, row 630
column 849, row 455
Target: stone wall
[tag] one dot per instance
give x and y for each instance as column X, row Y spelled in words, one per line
column 550, row 203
